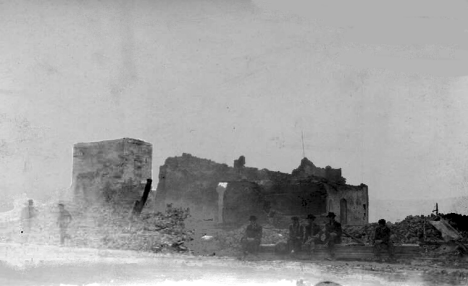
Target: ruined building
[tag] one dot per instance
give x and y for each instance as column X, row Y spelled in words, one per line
column 229, row 195
column 113, row 170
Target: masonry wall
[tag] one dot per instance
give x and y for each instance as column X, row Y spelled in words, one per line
column 241, row 200
column 244, row 198
column 357, row 203
column 298, row 198
column 101, row 170
column 188, row 181
column 307, row 169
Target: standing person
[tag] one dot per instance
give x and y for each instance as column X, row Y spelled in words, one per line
column 310, row 230
column 28, row 219
column 334, row 232
column 252, row 238
column 296, row 235
column 64, row 219
column 381, row 240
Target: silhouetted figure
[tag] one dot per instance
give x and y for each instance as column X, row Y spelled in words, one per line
column 28, row 219
column 252, row 238
column 63, row 221
column 381, row 241
column 296, row 235
column 310, row 230
column 334, row 233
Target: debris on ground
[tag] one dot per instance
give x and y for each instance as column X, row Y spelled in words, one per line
column 411, row 230
column 176, row 231
column 104, row 227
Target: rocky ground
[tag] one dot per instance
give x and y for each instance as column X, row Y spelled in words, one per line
column 31, row 264
column 101, row 227
column 51, row 265
column 175, row 231
column 412, row 229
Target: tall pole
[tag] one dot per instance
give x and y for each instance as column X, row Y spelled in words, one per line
column 303, row 149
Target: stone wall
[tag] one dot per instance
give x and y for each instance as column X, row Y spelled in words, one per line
column 188, row 181
column 245, row 198
column 113, row 170
column 307, row 169
column 354, row 199
column 241, row 200
column 297, row 197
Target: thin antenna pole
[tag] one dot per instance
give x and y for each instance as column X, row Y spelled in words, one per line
column 303, row 149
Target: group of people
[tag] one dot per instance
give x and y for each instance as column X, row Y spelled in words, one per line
column 29, row 217
column 311, row 234
column 301, row 237
column 306, row 237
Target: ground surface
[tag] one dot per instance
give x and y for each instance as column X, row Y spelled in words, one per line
column 52, row 265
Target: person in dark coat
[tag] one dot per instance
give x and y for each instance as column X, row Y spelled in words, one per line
column 310, row 231
column 296, row 235
column 63, row 221
column 252, row 238
column 381, row 240
column 334, row 232
column 28, row 219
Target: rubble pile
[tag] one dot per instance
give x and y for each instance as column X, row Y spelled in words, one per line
column 414, row 229
column 101, row 227
column 272, row 235
column 411, row 230
column 175, row 230
column 362, row 232
column 120, row 230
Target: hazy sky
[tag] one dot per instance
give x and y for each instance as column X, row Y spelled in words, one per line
column 378, row 88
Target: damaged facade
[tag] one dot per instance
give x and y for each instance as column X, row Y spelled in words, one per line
column 112, row 170
column 229, row 195
column 116, row 171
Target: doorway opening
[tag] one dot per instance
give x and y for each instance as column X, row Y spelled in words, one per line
column 343, row 211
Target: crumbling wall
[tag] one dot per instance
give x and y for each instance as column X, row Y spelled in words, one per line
column 307, row 169
column 355, row 199
column 188, row 181
column 297, row 198
column 107, row 169
column 241, row 200
column 286, row 199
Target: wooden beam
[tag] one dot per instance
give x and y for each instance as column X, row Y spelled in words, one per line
column 138, row 207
